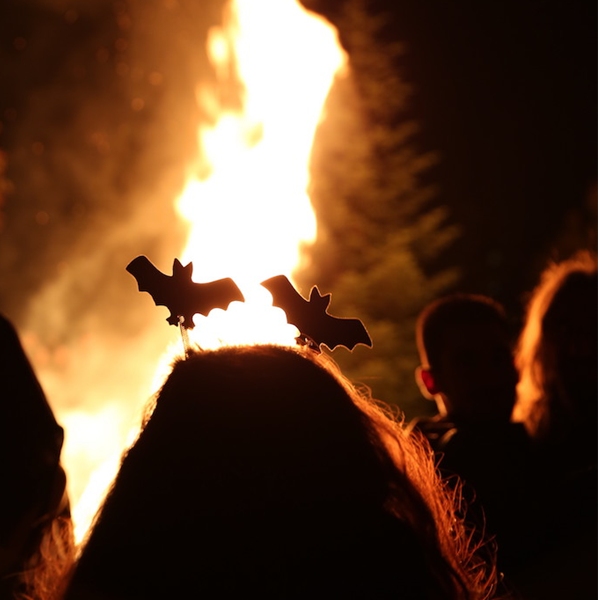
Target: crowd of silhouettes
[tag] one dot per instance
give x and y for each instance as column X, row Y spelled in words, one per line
column 261, row 471
column 521, row 433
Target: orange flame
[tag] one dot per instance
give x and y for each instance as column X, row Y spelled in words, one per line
column 249, row 217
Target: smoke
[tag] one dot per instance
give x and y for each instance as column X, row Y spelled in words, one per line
column 99, row 119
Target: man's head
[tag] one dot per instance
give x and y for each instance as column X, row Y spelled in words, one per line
column 467, row 366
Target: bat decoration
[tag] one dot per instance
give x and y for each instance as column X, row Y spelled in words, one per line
column 315, row 324
column 182, row 296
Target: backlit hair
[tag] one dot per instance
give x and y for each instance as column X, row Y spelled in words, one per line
column 540, row 404
column 271, row 449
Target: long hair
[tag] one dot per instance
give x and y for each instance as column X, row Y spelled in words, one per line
column 50, row 555
column 283, row 480
column 566, row 294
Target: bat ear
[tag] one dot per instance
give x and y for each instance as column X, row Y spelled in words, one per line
column 180, row 269
column 318, row 299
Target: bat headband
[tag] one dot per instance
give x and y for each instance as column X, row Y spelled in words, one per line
column 310, row 316
column 184, row 298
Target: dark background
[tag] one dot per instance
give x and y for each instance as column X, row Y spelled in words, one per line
column 501, row 102
column 506, row 93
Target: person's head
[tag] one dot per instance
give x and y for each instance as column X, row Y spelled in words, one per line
column 557, row 351
column 33, row 482
column 261, row 471
column 464, row 345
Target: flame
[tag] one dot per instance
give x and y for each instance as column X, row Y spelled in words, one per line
column 249, row 218
column 249, row 212
column 88, row 448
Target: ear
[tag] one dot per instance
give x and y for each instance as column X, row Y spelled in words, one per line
column 426, row 382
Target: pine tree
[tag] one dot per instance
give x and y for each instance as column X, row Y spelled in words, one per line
column 378, row 227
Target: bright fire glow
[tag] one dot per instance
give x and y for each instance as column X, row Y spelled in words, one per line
column 88, row 444
column 249, row 218
column 249, row 213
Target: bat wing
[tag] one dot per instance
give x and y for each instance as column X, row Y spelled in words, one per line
column 312, row 319
column 336, row 331
column 151, row 280
column 286, row 297
column 203, row 297
column 182, row 296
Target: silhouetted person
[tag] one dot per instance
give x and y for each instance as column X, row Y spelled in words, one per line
column 36, row 538
column 261, row 473
column 557, row 357
column 467, row 367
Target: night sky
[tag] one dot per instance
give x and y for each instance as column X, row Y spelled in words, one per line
column 506, row 93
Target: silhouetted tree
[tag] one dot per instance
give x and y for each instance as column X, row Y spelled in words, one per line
column 378, row 230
